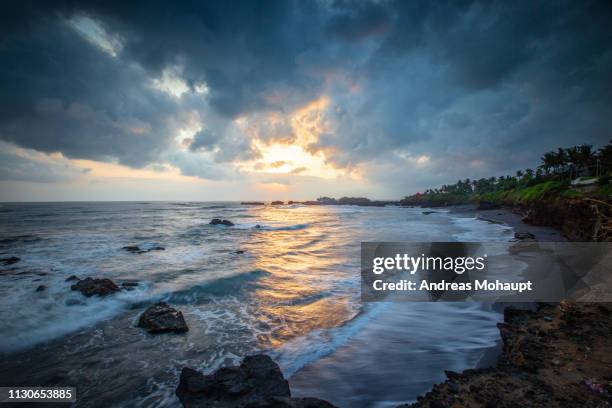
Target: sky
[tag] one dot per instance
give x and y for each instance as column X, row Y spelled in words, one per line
column 263, row 100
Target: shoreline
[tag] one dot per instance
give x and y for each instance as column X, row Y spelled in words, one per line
column 507, row 216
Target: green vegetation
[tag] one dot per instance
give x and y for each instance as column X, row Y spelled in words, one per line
column 565, row 173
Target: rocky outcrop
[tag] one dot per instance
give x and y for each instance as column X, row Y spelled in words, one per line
column 95, row 287
column 135, row 249
column 10, row 260
column 523, row 235
column 219, row 221
column 578, row 219
column 277, row 203
column 556, row 356
column 257, row 383
column 161, row 318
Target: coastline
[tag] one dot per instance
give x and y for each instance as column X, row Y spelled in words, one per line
column 507, row 216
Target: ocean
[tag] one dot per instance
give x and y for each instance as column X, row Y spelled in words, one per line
column 284, row 281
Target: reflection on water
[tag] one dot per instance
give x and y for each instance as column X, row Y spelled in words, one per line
column 293, row 292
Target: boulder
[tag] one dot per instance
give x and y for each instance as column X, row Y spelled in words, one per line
column 524, row 235
column 277, row 203
column 135, row 249
column 257, row 383
column 99, row 287
column 129, row 285
column 219, row 221
column 11, row 260
column 161, row 318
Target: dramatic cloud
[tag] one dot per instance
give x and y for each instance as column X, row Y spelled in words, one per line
column 392, row 95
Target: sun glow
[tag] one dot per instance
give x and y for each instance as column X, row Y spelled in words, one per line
column 291, row 153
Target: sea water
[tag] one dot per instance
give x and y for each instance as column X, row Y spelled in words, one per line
column 284, row 280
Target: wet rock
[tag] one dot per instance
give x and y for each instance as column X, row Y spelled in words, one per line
column 98, row 287
column 135, row 249
column 240, row 251
column 257, row 383
column 161, row 318
column 277, row 203
column 41, row 288
column 129, row 285
column 72, row 278
column 10, row 261
column 219, row 221
column 524, row 235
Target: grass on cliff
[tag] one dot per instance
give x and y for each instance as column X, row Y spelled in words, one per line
column 525, row 195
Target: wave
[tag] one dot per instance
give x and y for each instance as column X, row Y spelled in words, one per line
column 218, row 287
column 295, row 354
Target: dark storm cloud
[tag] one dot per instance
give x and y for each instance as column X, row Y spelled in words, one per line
column 457, row 80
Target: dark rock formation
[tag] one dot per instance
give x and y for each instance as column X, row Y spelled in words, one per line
column 72, row 278
column 135, row 249
column 277, row 203
column 578, row 219
column 523, row 235
column 99, row 287
column 11, row 260
column 219, row 221
column 161, row 318
column 257, row 383
column 129, row 285
column 132, row 248
column 240, row 251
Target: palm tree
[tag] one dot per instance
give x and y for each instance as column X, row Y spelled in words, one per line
column 548, row 161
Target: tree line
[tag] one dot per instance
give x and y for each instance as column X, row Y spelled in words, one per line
column 563, row 165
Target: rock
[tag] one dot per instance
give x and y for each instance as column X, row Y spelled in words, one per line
column 99, row 287
column 524, row 235
column 277, row 203
column 11, row 260
column 257, row 383
column 129, row 285
column 240, row 251
column 72, row 278
column 487, row 205
column 219, row 221
column 133, row 248
column 161, row 318
column 41, row 288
